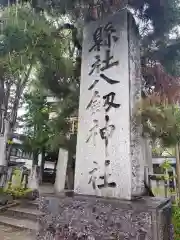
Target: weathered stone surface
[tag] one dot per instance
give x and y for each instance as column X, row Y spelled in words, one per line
column 3, row 174
column 61, row 170
column 33, row 195
column 118, row 158
column 84, row 217
column 7, row 232
column 5, row 199
column 16, row 178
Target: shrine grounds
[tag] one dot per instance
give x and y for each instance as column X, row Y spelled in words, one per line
column 8, row 233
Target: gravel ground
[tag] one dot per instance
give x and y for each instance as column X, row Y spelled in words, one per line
column 8, row 233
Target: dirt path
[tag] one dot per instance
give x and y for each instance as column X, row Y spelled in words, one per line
column 8, row 233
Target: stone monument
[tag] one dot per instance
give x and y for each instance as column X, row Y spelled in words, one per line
column 109, row 155
column 107, row 202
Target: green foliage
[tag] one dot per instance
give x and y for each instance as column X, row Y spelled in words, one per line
column 160, row 122
column 28, row 38
column 47, row 46
column 157, row 151
column 25, row 36
column 166, row 165
column 24, row 31
column 156, row 11
column 160, row 151
column 64, row 85
column 158, row 19
column 176, row 222
column 31, row 44
column 18, row 192
column 36, row 121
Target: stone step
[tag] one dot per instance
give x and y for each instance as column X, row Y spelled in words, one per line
column 23, row 224
column 13, row 204
column 30, row 204
column 20, row 212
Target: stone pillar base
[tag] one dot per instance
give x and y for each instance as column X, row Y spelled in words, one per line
column 91, row 218
column 3, row 175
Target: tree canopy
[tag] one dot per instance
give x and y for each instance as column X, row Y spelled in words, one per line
column 28, row 42
column 35, row 121
column 34, row 34
column 158, row 22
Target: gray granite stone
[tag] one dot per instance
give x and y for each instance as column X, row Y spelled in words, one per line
column 84, row 217
column 5, row 199
column 111, row 167
column 3, row 175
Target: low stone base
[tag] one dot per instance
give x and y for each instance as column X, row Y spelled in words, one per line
column 3, row 175
column 91, row 218
column 5, row 199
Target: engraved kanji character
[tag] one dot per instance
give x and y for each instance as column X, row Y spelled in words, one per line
column 107, row 132
column 109, row 32
column 106, row 177
column 109, row 101
column 98, row 39
column 93, row 132
column 96, row 65
column 95, row 103
column 104, row 77
column 94, row 175
column 108, row 80
column 107, row 61
column 93, row 84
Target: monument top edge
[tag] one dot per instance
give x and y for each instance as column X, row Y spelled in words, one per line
column 109, row 16
column 140, row 203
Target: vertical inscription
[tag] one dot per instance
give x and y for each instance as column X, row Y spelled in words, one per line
column 103, row 38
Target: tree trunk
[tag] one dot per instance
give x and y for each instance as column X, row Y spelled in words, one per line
column 4, row 128
column 3, row 142
column 13, row 117
column 178, row 169
column 3, row 125
column 35, row 158
column 19, row 91
column 42, row 165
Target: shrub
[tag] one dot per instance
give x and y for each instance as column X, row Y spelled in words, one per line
column 18, row 192
column 176, row 222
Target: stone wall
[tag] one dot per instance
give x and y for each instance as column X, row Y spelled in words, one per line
column 92, row 218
